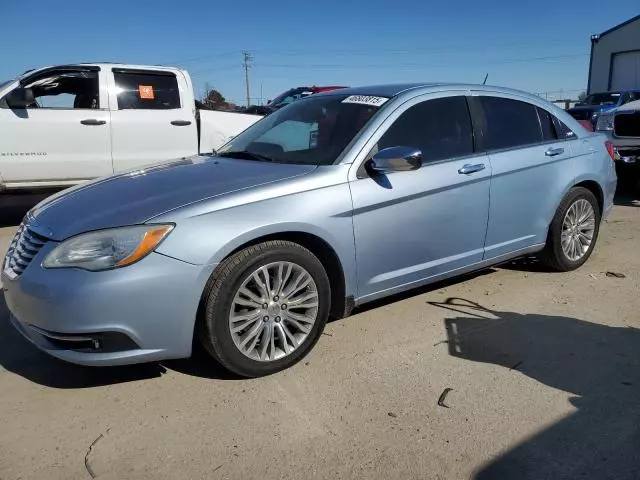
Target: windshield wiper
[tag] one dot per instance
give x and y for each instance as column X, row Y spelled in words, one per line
column 246, row 155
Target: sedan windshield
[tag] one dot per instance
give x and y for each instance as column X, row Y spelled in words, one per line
column 313, row 131
column 602, row 99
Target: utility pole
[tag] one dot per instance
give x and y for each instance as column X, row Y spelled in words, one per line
column 247, row 59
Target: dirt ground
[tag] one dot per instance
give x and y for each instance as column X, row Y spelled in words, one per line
column 544, row 372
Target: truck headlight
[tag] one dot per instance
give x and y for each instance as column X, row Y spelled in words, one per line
column 107, row 249
column 605, row 123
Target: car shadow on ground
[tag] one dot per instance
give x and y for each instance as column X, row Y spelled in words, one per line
column 19, row 356
column 598, row 364
column 14, row 206
column 628, row 189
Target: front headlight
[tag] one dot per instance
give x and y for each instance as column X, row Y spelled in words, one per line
column 107, row 249
column 605, row 122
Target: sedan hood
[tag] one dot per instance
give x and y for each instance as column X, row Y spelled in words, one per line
column 137, row 196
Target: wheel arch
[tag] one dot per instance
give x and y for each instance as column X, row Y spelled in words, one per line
column 595, row 188
column 586, row 182
column 341, row 301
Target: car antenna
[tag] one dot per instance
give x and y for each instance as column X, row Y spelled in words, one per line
column 485, row 79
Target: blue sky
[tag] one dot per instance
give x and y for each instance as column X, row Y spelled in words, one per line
column 535, row 46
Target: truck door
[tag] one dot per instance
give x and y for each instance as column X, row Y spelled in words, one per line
column 63, row 136
column 152, row 121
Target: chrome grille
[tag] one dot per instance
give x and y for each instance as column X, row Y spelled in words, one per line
column 25, row 245
column 627, row 124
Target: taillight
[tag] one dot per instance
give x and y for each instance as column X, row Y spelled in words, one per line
column 610, row 149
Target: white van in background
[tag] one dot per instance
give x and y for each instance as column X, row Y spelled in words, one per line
column 63, row 125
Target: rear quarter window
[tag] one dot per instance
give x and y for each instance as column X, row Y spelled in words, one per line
column 552, row 127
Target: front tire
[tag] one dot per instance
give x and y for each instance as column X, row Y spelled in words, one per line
column 265, row 308
column 573, row 232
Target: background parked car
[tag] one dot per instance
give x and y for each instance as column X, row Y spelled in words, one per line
column 622, row 126
column 597, row 103
column 286, row 98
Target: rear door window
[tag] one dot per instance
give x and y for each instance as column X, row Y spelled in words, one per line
column 439, row 128
column 142, row 90
column 509, row 123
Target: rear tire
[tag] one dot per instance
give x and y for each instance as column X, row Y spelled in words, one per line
column 573, row 231
column 257, row 320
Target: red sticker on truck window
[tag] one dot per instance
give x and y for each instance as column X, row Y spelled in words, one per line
column 146, row 92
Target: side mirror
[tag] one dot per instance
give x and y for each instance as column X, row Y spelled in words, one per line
column 396, row 159
column 20, row 98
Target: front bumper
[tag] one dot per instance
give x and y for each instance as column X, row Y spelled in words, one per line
column 144, row 312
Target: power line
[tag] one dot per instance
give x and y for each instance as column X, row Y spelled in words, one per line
column 412, row 51
column 215, row 69
column 198, row 59
column 421, row 64
column 355, row 51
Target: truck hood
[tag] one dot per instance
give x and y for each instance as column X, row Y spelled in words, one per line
column 137, row 196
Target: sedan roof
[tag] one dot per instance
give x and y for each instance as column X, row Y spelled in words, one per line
column 390, row 90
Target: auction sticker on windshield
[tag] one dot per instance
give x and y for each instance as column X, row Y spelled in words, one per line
column 365, row 100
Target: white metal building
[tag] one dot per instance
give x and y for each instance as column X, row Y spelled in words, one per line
column 615, row 58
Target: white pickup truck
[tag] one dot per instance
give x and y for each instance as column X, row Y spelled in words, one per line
column 63, row 125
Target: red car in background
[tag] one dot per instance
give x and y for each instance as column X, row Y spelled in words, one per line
column 586, row 124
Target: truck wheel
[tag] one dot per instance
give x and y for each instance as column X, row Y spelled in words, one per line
column 573, row 231
column 265, row 308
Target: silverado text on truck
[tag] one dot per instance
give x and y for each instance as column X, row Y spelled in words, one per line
column 63, row 125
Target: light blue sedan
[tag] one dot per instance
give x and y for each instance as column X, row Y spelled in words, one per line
column 329, row 203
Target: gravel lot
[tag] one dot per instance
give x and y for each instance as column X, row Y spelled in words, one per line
column 544, row 371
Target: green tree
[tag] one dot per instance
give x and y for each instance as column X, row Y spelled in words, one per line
column 213, row 99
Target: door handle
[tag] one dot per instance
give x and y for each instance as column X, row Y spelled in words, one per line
column 470, row 168
column 92, row 121
column 552, row 152
column 180, row 123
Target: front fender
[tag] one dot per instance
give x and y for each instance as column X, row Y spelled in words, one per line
column 274, row 229
column 326, row 213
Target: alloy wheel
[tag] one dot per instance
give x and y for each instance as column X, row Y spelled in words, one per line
column 273, row 311
column 578, row 229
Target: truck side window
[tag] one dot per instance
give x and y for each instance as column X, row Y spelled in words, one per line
column 146, row 90
column 66, row 90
